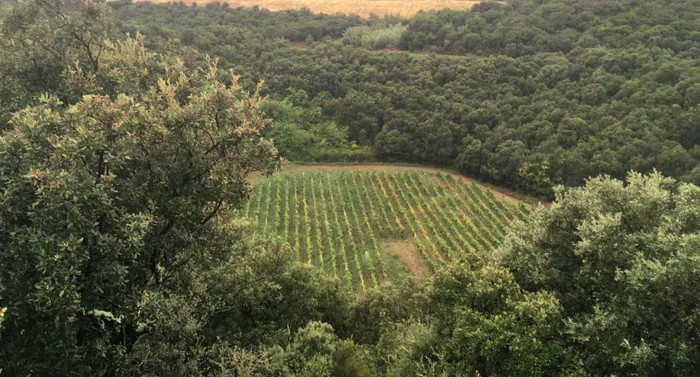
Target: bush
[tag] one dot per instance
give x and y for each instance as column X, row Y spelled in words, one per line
column 373, row 37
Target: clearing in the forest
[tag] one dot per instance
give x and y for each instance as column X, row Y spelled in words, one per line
column 351, row 223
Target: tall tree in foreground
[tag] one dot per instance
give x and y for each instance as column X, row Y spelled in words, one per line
column 623, row 259
column 108, row 203
column 110, row 207
column 120, row 255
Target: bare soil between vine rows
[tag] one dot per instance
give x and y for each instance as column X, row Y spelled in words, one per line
column 407, row 251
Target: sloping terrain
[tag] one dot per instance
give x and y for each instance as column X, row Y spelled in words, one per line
column 348, row 222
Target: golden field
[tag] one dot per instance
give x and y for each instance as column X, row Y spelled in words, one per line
column 361, row 7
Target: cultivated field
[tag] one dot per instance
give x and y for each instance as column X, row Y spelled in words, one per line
column 359, row 225
column 361, row 7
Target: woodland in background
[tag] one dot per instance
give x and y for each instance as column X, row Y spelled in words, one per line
column 121, row 169
column 526, row 94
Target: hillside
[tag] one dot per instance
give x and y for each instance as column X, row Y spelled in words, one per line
column 150, row 224
column 526, row 94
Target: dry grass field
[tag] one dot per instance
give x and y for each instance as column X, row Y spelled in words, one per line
column 363, row 8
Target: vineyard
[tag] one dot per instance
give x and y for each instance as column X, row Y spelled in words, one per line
column 341, row 220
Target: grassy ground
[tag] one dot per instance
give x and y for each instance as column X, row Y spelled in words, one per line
column 361, row 7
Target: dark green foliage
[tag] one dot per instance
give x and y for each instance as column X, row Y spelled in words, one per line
column 119, row 256
column 40, row 41
column 121, row 168
column 109, row 210
column 376, row 310
column 586, row 87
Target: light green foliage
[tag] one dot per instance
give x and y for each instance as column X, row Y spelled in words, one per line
column 407, row 349
column 374, row 37
column 344, row 218
column 622, row 257
column 235, row 361
column 317, row 351
column 302, row 133
column 110, row 199
column 478, row 322
column 488, row 325
column 534, row 179
column 313, row 348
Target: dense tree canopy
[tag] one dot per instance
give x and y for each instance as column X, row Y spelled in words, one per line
column 111, row 211
column 122, row 166
column 113, row 201
column 603, row 282
column 581, row 87
column 623, row 260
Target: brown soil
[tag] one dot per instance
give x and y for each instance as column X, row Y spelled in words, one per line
column 397, row 168
column 297, row 44
column 407, row 251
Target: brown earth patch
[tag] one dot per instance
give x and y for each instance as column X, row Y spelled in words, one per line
column 297, row 44
column 407, row 251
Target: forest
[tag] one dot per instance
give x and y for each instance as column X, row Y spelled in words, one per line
column 140, row 156
column 529, row 94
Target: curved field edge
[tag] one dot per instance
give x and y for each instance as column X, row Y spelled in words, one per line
column 499, row 191
column 368, row 224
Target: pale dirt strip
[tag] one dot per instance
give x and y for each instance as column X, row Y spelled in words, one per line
column 403, row 8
